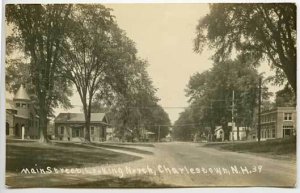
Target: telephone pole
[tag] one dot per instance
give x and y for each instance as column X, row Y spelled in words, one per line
column 259, row 110
column 232, row 116
column 158, row 136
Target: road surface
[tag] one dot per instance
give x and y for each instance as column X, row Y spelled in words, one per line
column 269, row 172
column 180, row 164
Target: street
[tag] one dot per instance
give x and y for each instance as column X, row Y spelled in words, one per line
column 177, row 164
column 273, row 173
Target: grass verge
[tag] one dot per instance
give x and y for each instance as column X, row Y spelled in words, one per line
column 273, row 147
column 36, row 155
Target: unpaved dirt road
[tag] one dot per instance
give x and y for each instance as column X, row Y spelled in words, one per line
column 179, row 164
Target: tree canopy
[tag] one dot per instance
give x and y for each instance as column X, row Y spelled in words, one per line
column 211, row 97
column 136, row 107
column 81, row 45
column 285, row 97
column 258, row 30
column 39, row 32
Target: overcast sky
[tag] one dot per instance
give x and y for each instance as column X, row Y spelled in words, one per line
column 164, row 35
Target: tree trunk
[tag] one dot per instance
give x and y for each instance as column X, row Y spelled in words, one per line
column 43, row 125
column 43, row 129
column 291, row 74
column 87, row 137
column 43, row 115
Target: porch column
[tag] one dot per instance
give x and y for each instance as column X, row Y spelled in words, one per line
column 23, row 132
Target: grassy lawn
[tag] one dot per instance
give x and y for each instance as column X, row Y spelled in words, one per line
column 273, row 147
column 35, row 155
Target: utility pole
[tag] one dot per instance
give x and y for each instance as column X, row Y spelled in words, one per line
column 142, row 133
column 232, row 116
column 158, row 136
column 259, row 110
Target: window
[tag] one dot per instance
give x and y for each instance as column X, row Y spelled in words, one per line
column 287, row 116
column 273, row 133
column 263, row 119
column 92, row 130
column 62, row 130
column 273, row 117
column 266, row 136
column 24, row 106
column 18, row 105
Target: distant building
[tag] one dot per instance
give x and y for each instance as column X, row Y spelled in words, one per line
column 71, row 126
column 22, row 120
column 252, row 136
column 111, row 134
column 219, row 133
column 150, row 136
column 242, row 133
column 278, row 123
column 233, row 134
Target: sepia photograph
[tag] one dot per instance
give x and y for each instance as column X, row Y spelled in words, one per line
column 149, row 95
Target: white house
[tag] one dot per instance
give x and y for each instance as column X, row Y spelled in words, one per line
column 219, row 133
column 233, row 135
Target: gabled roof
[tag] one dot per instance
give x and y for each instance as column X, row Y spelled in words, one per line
column 21, row 94
column 79, row 118
column 218, row 128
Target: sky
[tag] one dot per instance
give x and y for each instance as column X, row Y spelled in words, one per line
column 164, row 35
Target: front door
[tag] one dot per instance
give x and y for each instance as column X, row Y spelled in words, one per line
column 287, row 133
column 76, row 132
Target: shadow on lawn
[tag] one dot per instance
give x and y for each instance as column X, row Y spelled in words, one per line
column 36, row 155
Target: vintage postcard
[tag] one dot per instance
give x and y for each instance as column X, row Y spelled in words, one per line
column 158, row 95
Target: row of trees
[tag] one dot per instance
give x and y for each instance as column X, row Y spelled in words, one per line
column 252, row 33
column 211, row 98
column 261, row 31
column 81, row 45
